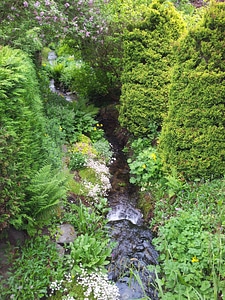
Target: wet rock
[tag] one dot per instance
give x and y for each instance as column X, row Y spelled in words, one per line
column 133, row 253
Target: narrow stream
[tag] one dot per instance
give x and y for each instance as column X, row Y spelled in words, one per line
column 134, row 251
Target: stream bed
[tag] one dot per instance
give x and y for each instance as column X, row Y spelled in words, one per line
column 134, row 251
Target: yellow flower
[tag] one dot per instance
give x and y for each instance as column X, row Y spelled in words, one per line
column 194, row 259
column 60, row 128
column 144, row 166
column 95, row 128
column 97, row 125
column 153, row 156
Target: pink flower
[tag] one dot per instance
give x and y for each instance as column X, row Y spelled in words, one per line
column 67, row 4
column 36, row 4
column 25, row 4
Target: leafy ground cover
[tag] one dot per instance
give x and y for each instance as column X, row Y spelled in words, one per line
column 188, row 221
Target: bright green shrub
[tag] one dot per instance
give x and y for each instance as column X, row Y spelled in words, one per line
column 147, row 64
column 193, row 135
column 21, row 130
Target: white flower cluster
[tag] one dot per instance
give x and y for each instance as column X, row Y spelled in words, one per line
column 58, row 285
column 99, row 285
column 98, row 190
column 97, row 166
column 68, row 297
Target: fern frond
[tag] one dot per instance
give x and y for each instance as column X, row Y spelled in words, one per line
column 45, row 192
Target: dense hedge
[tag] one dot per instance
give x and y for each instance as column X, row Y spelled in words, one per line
column 147, row 62
column 20, row 130
column 193, row 135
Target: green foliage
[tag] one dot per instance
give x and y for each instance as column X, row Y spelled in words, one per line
column 207, row 197
column 83, row 146
column 21, row 122
column 148, row 58
column 145, row 169
column 90, row 252
column 32, row 270
column 193, row 133
column 45, row 192
column 88, row 220
column 77, row 161
column 192, row 257
column 103, row 149
column 66, row 122
column 96, row 134
column 76, row 75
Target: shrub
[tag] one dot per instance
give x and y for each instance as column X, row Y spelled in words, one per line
column 192, row 139
column 21, row 122
column 88, row 285
column 86, row 219
column 147, row 62
column 104, row 150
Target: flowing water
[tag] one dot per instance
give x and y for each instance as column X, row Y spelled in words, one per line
column 133, row 252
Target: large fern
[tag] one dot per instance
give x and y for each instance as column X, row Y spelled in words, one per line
column 45, row 192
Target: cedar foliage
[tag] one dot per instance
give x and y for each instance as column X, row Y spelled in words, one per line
column 192, row 139
column 21, row 130
column 147, row 63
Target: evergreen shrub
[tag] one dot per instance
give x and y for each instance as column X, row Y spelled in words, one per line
column 21, row 130
column 192, row 139
column 147, row 66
